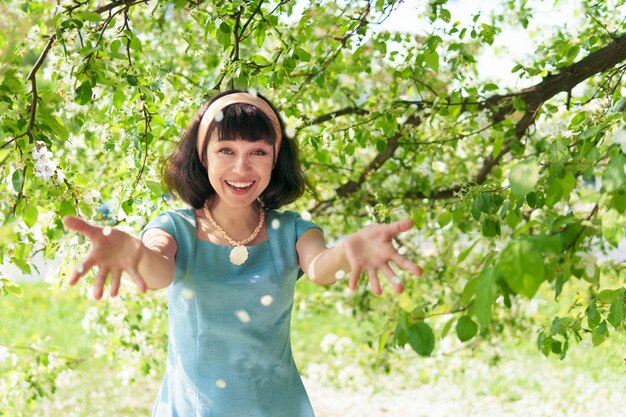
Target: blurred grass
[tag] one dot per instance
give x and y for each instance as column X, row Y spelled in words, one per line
column 505, row 371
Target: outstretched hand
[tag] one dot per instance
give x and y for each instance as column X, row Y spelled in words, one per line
column 370, row 251
column 112, row 252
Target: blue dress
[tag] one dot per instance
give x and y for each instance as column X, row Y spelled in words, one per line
column 229, row 350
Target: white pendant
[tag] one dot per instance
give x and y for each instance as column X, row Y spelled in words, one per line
column 238, row 255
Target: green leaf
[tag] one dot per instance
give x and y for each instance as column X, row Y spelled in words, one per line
column 521, row 266
column 10, row 287
column 419, row 217
column 421, row 338
column 599, row 334
column 614, row 176
column 447, row 327
column 67, row 209
column 89, row 16
column 466, row 328
column 382, row 341
column 619, row 201
column 155, row 187
column 444, row 218
column 485, row 296
column 523, row 177
column 607, row 296
column 83, row 93
column 119, row 98
column 616, row 312
column 132, row 80
column 431, row 59
column 491, row 227
column 30, row 215
column 302, row 55
column 612, row 228
column 465, row 253
column 593, row 317
column 17, row 180
column 519, row 103
column 22, row 265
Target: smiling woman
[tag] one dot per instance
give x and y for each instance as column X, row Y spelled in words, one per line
column 230, row 278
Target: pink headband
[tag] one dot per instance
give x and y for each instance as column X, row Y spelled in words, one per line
column 218, row 105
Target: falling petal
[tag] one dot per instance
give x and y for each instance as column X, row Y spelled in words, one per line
column 305, row 215
column 402, row 250
column 396, row 281
column 164, row 219
column 267, row 299
column 340, row 274
column 80, row 268
column 219, row 116
column 107, row 231
column 186, row 293
column 243, row 316
column 253, row 92
column 220, row 383
column 275, row 224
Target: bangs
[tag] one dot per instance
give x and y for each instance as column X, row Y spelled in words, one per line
column 245, row 122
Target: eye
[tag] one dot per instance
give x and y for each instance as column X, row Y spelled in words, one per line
column 259, row 152
column 225, row 151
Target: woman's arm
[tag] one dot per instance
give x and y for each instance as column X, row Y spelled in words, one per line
column 369, row 250
column 150, row 263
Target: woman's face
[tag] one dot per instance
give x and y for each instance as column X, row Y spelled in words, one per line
column 239, row 170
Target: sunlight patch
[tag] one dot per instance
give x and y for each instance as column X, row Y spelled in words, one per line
column 266, row 300
column 243, row 316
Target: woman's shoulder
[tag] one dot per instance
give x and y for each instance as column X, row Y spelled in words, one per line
column 181, row 214
column 174, row 219
column 289, row 220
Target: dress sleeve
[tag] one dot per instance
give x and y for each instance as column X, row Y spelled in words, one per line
column 180, row 224
column 304, row 225
column 164, row 222
column 301, row 227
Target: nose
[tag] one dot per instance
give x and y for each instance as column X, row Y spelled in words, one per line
column 242, row 164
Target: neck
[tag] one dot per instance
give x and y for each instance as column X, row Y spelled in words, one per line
column 238, row 222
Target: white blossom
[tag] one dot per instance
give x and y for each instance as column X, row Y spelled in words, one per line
column 619, row 138
column 45, row 166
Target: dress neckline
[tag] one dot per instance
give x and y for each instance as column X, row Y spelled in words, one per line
column 269, row 215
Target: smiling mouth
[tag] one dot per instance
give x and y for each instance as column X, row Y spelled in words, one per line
column 240, row 185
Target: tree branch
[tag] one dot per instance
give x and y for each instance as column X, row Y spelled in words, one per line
column 501, row 106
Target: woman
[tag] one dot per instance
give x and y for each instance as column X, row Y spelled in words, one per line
column 230, row 263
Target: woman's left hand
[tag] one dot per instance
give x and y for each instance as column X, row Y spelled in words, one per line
column 370, row 251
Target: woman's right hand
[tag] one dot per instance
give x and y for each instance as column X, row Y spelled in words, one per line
column 112, row 252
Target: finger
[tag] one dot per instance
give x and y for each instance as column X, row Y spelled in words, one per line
column 407, row 265
column 116, row 277
column 138, row 280
column 395, row 282
column 98, row 283
column 355, row 274
column 399, row 226
column 80, row 270
column 82, row 227
column 374, row 282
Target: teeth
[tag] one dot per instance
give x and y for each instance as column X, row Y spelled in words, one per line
column 239, row 184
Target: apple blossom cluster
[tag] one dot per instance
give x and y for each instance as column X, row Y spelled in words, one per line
column 45, row 166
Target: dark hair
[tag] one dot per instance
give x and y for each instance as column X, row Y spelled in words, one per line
column 185, row 175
